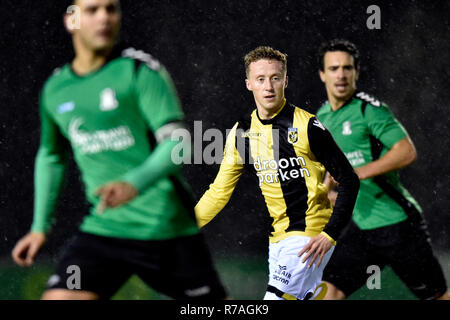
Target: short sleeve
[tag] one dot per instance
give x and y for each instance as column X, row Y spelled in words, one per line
column 157, row 97
column 383, row 125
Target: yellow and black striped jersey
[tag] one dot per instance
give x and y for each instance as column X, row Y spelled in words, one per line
column 289, row 154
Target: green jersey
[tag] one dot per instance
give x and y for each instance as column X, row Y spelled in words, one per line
column 106, row 118
column 365, row 129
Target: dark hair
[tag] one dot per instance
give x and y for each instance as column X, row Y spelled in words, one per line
column 337, row 45
column 267, row 53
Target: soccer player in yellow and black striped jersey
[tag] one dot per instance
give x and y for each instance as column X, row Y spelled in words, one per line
column 289, row 150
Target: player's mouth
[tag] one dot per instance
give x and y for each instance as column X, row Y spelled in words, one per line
column 105, row 33
column 341, row 87
column 270, row 97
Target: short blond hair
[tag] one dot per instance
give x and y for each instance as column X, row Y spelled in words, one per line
column 266, row 53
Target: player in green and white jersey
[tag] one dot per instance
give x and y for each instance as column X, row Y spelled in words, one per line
column 116, row 110
column 387, row 226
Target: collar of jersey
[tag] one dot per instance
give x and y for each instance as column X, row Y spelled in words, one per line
column 115, row 53
column 271, row 120
column 349, row 101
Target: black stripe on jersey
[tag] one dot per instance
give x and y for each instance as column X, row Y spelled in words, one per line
column 244, row 149
column 295, row 191
column 410, row 210
column 376, row 147
column 363, row 107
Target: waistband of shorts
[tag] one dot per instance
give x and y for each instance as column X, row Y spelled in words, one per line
column 292, row 233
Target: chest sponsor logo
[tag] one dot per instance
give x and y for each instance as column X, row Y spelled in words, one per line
column 355, row 157
column 108, row 100
column 292, row 135
column 272, row 171
column 66, row 107
column 114, row 139
column 347, row 128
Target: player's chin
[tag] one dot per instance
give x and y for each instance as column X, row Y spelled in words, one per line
column 103, row 44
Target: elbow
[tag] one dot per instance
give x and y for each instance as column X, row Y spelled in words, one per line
column 412, row 156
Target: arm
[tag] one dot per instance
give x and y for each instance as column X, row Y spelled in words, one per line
column 328, row 153
column 331, row 185
column 159, row 105
column 402, row 154
column 219, row 192
column 389, row 134
column 49, row 173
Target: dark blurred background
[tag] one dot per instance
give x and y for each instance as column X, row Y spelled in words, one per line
column 202, row 43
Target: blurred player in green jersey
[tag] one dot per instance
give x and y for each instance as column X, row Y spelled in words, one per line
column 387, row 226
column 104, row 106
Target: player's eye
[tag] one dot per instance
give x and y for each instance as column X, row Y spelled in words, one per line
column 111, row 8
column 91, row 10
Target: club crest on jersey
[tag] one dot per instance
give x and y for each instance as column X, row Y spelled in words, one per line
column 292, row 135
column 108, row 100
column 347, row 128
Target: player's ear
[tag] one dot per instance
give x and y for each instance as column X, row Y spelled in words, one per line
column 322, row 75
column 286, row 82
column 248, row 85
column 357, row 73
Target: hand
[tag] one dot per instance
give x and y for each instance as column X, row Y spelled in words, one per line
column 115, row 194
column 317, row 246
column 26, row 248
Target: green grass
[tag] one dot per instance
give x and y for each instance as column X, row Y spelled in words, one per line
column 245, row 279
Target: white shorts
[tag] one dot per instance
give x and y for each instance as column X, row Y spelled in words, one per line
column 288, row 274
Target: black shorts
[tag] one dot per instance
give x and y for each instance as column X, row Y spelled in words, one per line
column 404, row 246
column 181, row 268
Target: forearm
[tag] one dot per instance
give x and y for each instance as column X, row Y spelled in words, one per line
column 48, row 181
column 347, row 190
column 215, row 198
column 158, row 165
column 402, row 154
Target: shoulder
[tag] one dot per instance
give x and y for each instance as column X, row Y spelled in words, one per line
column 57, row 78
column 302, row 114
column 245, row 121
column 323, row 109
column 141, row 58
column 368, row 99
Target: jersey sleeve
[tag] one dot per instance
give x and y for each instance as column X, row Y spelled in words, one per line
column 383, row 125
column 220, row 191
column 49, row 171
column 161, row 108
column 157, row 97
column 328, row 153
